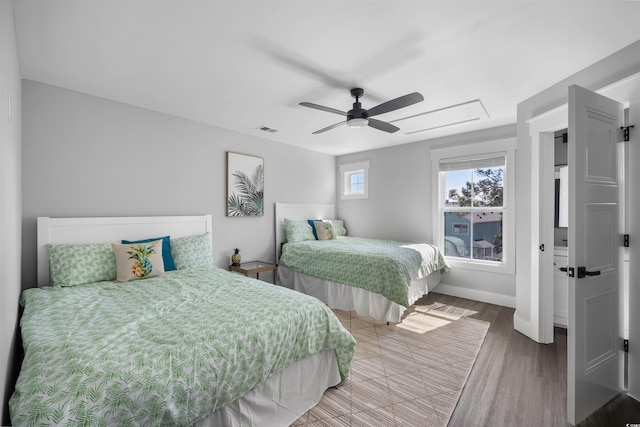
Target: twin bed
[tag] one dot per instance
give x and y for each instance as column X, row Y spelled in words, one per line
column 195, row 346
column 376, row 278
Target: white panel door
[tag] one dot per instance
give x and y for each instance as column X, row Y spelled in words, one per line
column 593, row 333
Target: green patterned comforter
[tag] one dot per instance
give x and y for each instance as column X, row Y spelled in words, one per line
column 382, row 266
column 162, row 351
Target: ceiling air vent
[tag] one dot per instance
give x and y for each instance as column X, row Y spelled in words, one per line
column 267, row 129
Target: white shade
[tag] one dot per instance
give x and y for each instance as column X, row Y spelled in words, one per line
column 473, row 162
column 358, row 123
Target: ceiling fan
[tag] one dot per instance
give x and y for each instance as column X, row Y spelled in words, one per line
column 358, row 117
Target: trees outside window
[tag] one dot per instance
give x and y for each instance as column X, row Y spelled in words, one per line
column 473, row 208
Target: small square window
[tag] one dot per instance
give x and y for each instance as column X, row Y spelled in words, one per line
column 354, row 179
column 356, row 182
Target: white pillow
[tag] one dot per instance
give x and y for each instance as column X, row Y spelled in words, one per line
column 138, row 260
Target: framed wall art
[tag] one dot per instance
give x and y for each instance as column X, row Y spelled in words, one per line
column 245, row 185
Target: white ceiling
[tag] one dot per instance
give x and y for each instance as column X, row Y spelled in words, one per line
column 241, row 65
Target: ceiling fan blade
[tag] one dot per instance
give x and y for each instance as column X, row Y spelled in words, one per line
column 323, row 108
column 395, row 104
column 328, row 128
column 383, row 126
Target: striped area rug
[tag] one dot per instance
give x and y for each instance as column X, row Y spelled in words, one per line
column 409, row 374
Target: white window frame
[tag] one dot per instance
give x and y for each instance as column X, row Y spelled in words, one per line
column 346, row 171
column 504, row 147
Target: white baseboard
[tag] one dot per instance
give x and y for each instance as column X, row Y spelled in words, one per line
column 560, row 318
column 476, row 295
column 521, row 325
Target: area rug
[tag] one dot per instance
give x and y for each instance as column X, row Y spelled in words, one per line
column 408, row 374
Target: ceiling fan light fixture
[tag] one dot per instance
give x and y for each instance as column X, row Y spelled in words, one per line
column 358, row 117
column 358, row 122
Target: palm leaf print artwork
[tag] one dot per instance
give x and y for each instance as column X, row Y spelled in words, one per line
column 245, row 185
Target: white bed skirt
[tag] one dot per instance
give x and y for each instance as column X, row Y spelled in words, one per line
column 283, row 397
column 350, row 298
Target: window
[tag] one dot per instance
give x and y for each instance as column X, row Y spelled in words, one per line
column 458, row 228
column 355, row 180
column 471, row 217
column 472, row 209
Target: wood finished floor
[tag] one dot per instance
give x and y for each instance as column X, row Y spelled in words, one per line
column 517, row 382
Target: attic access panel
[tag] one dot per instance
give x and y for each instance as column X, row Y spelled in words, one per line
column 452, row 115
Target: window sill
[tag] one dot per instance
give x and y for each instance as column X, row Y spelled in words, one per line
column 501, row 268
column 354, row 196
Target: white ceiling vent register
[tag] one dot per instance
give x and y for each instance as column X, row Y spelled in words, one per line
column 267, row 129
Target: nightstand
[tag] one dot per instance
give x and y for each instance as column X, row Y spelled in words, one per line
column 254, row 267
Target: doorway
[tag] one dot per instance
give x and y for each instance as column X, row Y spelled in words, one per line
column 542, row 131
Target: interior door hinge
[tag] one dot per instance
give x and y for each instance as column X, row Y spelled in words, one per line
column 625, row 240
column 625, row 132
column 625, row 346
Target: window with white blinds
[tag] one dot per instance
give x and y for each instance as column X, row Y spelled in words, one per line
column 472, row 223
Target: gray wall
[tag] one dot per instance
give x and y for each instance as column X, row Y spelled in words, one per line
column 400, row 206
column 87, row 156
column 10, row 206
column 399, row 203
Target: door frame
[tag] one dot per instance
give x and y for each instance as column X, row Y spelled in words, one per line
column 633, row 252
column 541, row 130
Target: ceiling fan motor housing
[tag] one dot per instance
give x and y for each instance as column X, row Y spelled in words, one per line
column 357, row 112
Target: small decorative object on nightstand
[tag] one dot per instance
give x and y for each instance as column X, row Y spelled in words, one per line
column 236, row 258
column 254, row 267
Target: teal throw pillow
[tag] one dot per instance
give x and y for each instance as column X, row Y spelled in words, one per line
column 169, row 265
column 313, row 226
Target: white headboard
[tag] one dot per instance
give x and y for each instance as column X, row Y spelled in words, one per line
column 111, row 229
column 299, row 212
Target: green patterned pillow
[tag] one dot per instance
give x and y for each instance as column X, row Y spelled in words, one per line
column 138, row 260
column 74, row 264
column 338, row 227
column 297, row 231
column 192, row 251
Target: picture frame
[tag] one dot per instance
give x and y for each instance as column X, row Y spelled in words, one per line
column 245, row 185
